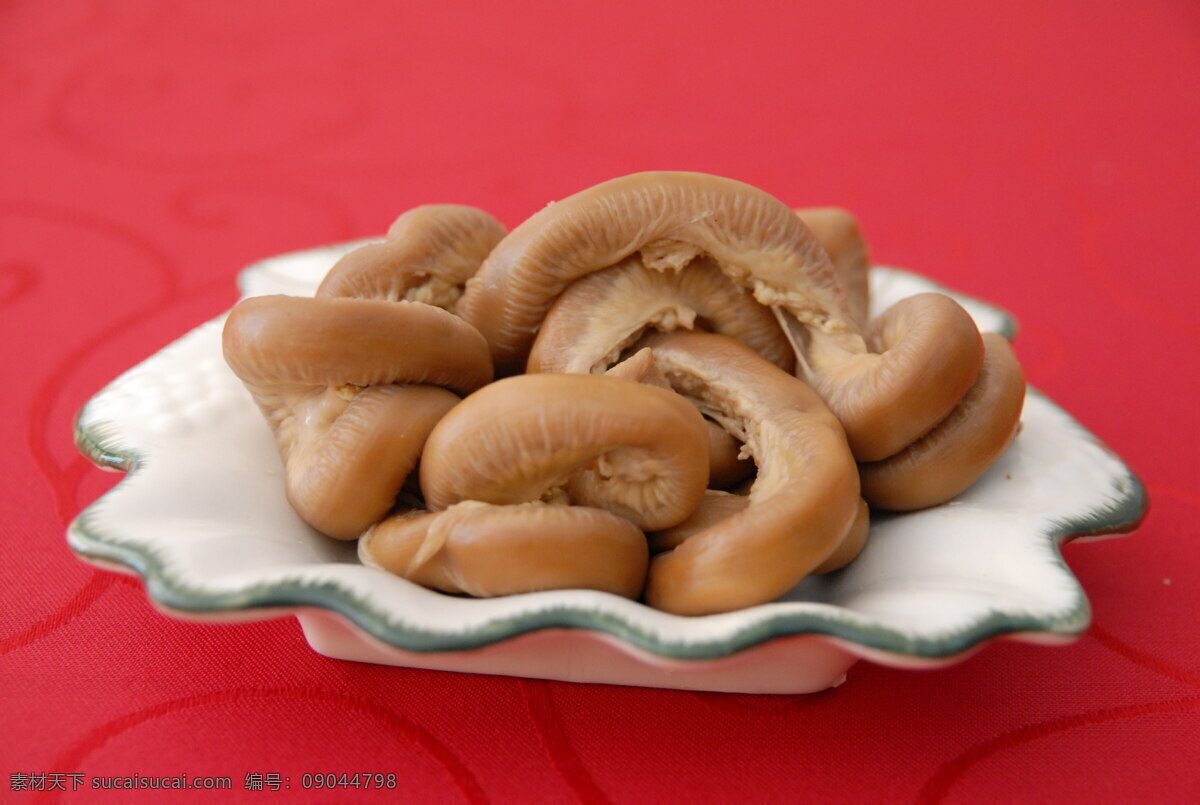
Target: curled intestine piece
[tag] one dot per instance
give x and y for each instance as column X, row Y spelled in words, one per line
column 544, row 482
column 926, row 352
column 348, row 399
column 343, row 476
column 483, row 549
column 802, row 503
column 428, row 255
column 282, row 342
column 953, row 456
column 607, row 442
column 668, row 220
column 599, row 315
column 353, row 381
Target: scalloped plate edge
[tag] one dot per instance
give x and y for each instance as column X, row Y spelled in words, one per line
column 788, row 664
column 1123, row 512
column 381, row 639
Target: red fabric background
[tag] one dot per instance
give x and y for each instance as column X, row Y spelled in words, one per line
column 1043, row 156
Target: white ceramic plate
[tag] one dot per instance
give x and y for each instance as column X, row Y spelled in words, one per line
column 202, row 518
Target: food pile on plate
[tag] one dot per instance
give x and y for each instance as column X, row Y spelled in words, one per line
column 664, row 386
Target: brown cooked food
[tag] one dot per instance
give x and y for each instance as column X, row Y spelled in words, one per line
column 697, row 406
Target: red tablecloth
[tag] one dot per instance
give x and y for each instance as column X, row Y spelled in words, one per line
column 1042, row 156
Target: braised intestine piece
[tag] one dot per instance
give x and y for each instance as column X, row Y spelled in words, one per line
column 630, row 448
column 427, row 256
column 960, row 449
column 600, row 315
column 925, row 353
column 523, row 473
column 926, row 348
column 668, row 220
column 484, row 550
column 348, row 399
column 802, row 504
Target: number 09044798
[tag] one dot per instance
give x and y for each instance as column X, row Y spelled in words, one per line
column 332, row 780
